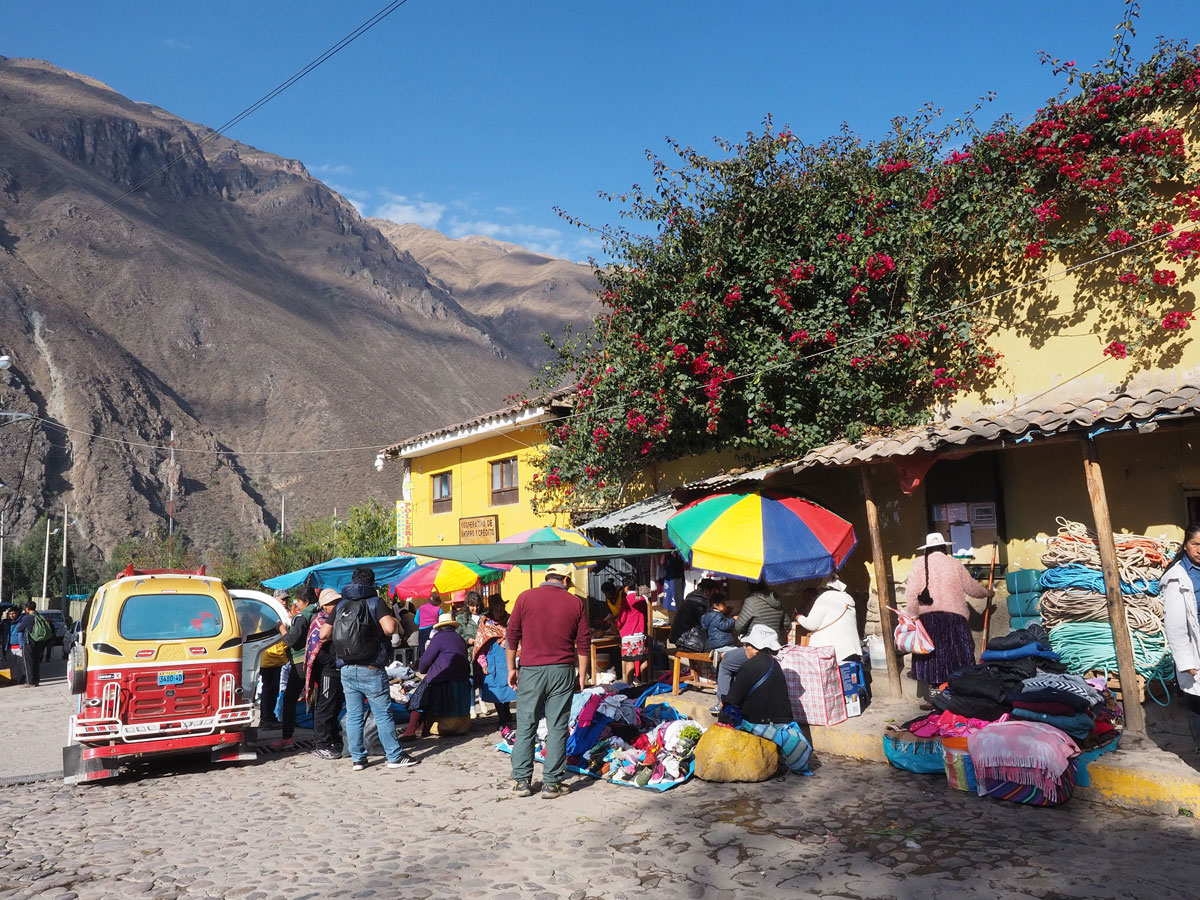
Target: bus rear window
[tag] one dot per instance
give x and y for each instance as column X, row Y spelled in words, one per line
column 169, row 617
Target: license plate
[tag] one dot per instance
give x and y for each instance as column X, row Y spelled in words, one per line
column 170, row 678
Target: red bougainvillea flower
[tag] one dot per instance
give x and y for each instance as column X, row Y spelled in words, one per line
column 1116, row 350
column 1119, row 236
column 1128, row 278
column 679, row 350
column 1162, row 228
column 1034, row 249
column 1164, row 277
column 1177, row 320
column 1047, row 212
column 879, row 265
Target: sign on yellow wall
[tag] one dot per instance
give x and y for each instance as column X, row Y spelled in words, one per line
column 404, row 523
column 479, row 530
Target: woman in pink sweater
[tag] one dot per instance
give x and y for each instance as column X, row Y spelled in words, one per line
column 939, row 600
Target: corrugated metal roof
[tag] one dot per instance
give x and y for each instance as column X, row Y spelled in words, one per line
column 652, row 511
column 1119, row 409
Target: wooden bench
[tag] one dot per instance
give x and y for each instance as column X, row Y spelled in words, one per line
column 694, row 678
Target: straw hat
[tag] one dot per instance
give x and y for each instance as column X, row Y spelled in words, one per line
column 445, row 619
column 934, row 539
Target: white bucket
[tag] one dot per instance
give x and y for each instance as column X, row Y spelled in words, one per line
column 873, row 650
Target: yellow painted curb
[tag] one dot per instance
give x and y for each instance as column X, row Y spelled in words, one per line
column 1165, row 790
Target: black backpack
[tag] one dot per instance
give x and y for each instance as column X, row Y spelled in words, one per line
column 355, row 632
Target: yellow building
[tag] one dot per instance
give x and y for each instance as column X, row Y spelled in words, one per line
column 469, row 483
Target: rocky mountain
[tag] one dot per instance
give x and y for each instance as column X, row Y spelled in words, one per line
column 155, row 276
column 518, row 293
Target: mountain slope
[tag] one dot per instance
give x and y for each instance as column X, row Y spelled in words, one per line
column 517, row 293
column 231, row 297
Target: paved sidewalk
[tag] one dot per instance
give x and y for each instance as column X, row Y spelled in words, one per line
column 180, row 829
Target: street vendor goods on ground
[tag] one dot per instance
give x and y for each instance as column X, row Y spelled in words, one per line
column 1042, row 702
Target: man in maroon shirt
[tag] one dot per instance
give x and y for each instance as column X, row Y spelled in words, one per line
column 549, row 624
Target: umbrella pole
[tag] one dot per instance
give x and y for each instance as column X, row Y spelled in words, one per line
column 531, row 577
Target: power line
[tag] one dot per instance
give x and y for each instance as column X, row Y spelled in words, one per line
column 262, row 101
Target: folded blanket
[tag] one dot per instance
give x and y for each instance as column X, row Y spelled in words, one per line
column 1032, row 634
column 1073, row 684
column 1049, row 707
column 1032, row 649
column 1078, row 726
column 980, row 681
column 1031, row 753
column 968, row 707
column 1051, row 695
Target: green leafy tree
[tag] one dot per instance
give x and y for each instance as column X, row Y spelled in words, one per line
column 153, row 549
column 369, row 530
column 783, row 295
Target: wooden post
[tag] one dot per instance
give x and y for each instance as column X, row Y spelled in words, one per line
column 883, row 584
column 1135, row 715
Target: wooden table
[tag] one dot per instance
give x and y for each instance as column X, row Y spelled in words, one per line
column 608, row 642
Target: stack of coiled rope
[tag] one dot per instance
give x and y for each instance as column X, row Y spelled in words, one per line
column 1073, row 603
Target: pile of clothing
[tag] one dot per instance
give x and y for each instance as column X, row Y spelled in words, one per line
column 1021, row 678
column 982, row 691
column 659, row 758
column 613, row 734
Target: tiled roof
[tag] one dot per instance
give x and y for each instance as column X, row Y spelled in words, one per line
column 1109, row 412
column 554, row 398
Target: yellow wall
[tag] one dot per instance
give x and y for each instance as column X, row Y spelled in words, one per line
column 470, row 470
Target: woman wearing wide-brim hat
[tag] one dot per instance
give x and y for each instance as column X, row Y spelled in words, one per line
column 446, row 690
column 936, row 592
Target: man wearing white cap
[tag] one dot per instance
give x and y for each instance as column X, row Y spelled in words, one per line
column 549, row 626
column 832, row 622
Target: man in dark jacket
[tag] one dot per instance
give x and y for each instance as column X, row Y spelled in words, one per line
column 693, row 608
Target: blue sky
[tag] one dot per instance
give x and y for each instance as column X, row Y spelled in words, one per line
column 481, row 117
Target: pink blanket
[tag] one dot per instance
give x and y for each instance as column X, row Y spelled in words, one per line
column 1030, row 753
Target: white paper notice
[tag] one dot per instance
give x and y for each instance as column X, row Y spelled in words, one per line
column 957, row 512
column 960, row 537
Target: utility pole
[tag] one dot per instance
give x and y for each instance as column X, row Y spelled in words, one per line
column 46, row 562
column 1, row 556
column 172, row 479
column 282, row 513
column 65, row 602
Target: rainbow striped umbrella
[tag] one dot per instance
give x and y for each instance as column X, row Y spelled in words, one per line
column 752, row 536
column 443, row 575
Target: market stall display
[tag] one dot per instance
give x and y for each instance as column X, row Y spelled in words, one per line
column 1074, row 608
column 614, row 734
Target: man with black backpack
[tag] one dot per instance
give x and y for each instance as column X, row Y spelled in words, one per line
column 361, row 628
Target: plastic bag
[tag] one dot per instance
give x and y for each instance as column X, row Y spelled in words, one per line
column 910, row 635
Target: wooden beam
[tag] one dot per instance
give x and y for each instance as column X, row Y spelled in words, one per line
column 883, row 584
column 1135, row 715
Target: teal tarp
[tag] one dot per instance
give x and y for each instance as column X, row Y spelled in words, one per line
column 335, row 573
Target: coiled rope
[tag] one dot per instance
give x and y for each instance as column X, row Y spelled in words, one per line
column 1061, row 605
column 1138, row 557
column 1089, row 645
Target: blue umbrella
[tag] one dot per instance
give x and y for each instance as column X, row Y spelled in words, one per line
column 335, row 573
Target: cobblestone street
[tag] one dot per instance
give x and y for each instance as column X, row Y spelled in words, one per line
column 294, row 826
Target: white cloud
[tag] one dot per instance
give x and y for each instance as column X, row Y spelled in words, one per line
column 174, row 44
column 326, row 169
column 537, row 238
column 405, row 210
